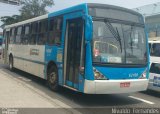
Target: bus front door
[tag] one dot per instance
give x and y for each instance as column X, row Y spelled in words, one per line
column 73, row 45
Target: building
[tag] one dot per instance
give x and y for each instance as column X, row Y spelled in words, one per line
column 152, row 19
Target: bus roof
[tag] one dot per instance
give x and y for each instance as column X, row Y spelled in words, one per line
column 52, row 14
column 27, row 21
column 80, row 7
column 97, row 5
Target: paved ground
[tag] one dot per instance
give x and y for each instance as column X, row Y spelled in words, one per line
column 22, row 90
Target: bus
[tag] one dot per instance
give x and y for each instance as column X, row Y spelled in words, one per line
column 154, row 78
column 90, row 48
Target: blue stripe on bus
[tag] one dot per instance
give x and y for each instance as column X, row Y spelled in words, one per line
column 51, row 55
column 71, row 84
column 81, row 83
column 89, row 75
column 34, row 61
column 121, row 73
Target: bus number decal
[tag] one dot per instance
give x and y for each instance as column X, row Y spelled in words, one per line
column 133, row 75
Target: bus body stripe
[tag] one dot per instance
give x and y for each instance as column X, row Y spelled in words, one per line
column 38, row 62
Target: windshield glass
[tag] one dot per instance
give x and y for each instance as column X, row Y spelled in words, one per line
column 114, row 13
column 154, row 49
column 128, row 46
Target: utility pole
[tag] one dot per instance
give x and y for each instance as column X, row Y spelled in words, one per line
column 12, row 2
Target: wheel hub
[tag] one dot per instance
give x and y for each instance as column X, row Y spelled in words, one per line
column 52, row 77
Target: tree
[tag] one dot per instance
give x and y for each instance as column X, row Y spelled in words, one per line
column 34, row 8
column 7, row 20
column 29, row 9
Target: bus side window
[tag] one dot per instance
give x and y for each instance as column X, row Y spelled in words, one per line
column 12, row 36
column 58, row 30
column 51, row 31
column 42, row 32
column 18, row 35
column 26, row 32
column 55, row 30
column 34, row 31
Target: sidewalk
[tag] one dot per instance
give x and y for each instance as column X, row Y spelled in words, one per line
column 14, row 94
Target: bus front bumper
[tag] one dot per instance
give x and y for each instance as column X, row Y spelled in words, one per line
column 114, row 86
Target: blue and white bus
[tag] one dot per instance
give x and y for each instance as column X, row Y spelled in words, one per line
column 90, row 48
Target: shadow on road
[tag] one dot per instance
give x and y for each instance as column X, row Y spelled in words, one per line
column 152, row 93
column 75, row 99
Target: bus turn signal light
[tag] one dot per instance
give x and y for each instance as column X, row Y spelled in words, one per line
column 98, row 75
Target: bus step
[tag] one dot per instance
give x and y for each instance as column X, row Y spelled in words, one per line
column 70, row 88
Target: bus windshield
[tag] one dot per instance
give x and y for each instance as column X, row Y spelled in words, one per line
column 129, row 47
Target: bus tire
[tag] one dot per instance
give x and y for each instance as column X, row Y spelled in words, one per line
column 52, row 78
column 11, row 67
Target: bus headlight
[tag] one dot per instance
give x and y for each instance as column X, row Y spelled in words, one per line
column 144, row 75
column 98, row 75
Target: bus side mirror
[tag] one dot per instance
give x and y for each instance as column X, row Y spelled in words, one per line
column 88, row 28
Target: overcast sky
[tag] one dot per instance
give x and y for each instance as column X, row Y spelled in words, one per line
column 6, row 9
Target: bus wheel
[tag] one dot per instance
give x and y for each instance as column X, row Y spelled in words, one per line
column 53, row 78
column 11, row 63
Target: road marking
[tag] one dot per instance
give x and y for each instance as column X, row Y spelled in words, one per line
column 149, row 102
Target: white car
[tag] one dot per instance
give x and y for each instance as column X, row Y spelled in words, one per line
column 154, row 79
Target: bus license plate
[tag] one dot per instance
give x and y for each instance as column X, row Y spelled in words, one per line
column 125, row 84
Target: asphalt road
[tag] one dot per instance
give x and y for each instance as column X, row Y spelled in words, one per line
column 22, row 90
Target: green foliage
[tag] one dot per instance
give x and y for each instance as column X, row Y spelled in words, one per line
column 7, row 20
column 34, row 8
column 29, row 9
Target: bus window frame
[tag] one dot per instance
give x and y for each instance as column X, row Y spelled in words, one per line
column 42, row 31
column 24, row 35
column 12, row 36
column 18, row 34
column 52, row 31
column 33, row 33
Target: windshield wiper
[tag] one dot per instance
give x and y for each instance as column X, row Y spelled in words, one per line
column 119, row 39
column 131, row 38
column 114, row 32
